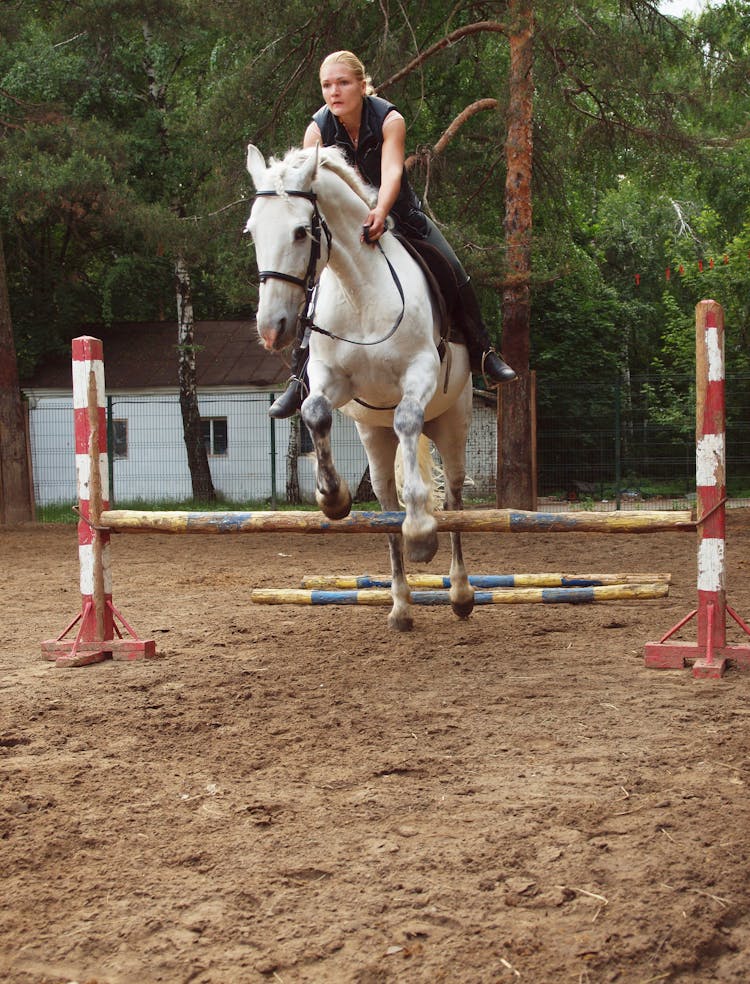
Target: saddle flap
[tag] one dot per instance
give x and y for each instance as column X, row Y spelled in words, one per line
column 440, row 278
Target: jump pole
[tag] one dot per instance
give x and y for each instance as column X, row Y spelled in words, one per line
column 710, row 654
column 499, row 596
column 98, row 632
column 448, row 521
column 436, row 581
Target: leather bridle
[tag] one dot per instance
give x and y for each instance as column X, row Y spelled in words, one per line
column 317, row 225
column 310, row 281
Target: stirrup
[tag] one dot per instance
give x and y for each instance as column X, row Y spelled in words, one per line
column 289, row 402
column 503, row 372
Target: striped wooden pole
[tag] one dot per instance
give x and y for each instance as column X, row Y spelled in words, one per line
column 437, row 581
column 499, row 596
column 98, row 635
column 469, row 521
column 710, row 654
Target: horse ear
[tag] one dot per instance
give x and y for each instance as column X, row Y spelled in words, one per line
column 308, row 167
column 256, row 165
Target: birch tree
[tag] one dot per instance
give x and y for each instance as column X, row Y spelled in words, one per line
column 187, row 372
column 197, row 456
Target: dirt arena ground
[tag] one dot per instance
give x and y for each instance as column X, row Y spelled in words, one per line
column 298, row 795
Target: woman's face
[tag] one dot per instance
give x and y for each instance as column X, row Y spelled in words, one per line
column 342, row 90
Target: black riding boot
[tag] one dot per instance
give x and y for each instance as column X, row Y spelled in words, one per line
column 291, row 399
column 483, row 359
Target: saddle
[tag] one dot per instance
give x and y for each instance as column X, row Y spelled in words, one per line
column 443, row 286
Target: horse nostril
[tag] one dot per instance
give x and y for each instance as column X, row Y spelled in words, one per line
column 282, row 326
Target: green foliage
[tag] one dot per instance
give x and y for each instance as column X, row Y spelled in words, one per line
column 123, row 126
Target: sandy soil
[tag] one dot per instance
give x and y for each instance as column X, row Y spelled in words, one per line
column 299, row 795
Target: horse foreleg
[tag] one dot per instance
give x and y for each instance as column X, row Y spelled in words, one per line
column 419, row 526
column 331, row 491
column 449, row 433
column 380, row 443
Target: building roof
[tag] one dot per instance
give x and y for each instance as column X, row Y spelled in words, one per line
column 144, row 356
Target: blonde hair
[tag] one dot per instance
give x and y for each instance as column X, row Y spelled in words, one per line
column 351, row 61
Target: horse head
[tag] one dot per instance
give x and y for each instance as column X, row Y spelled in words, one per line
column 286, row 229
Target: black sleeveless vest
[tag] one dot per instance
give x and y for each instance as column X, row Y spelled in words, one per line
column 367, row 158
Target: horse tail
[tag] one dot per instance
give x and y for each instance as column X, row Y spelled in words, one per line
column 430, row 471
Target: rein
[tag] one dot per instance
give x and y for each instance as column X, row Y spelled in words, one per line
column 310, row 281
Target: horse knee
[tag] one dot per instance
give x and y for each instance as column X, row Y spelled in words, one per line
column 317, row 414
column 408, row 418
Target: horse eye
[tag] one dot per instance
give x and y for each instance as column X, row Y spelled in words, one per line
column 300, row 233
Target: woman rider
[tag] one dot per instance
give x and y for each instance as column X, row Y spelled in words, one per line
column 372, row 134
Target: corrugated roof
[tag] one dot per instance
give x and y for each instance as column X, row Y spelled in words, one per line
column 144, row 356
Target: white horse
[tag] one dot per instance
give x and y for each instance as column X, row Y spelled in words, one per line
column 374, row 332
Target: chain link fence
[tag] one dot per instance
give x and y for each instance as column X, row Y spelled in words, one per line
column 603, row 446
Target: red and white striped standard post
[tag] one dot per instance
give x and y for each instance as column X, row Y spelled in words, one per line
column 98, row 634
column 710, row 655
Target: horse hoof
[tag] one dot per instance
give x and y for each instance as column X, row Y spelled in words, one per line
column 338, row 508
column 400, row 623
column 336, row 512
column 422, row 551
column 462, row 609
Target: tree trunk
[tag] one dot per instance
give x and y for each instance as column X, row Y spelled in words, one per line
column 200, row 474
column 16, row 502
column 515, row 466
column 293, row 496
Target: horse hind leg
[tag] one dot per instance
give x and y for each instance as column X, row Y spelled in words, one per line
column 399, row 617
column 461, row 592
column 331, row 490
column 419, row 527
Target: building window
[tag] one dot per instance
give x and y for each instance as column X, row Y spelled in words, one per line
column 215, row 435
column 119, row 438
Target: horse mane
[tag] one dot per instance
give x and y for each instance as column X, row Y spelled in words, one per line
column 330, row 158
column 334, row 160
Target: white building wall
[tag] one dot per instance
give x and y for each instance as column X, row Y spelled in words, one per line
column 52, row 449
column 155, row 468
column 156, row 464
